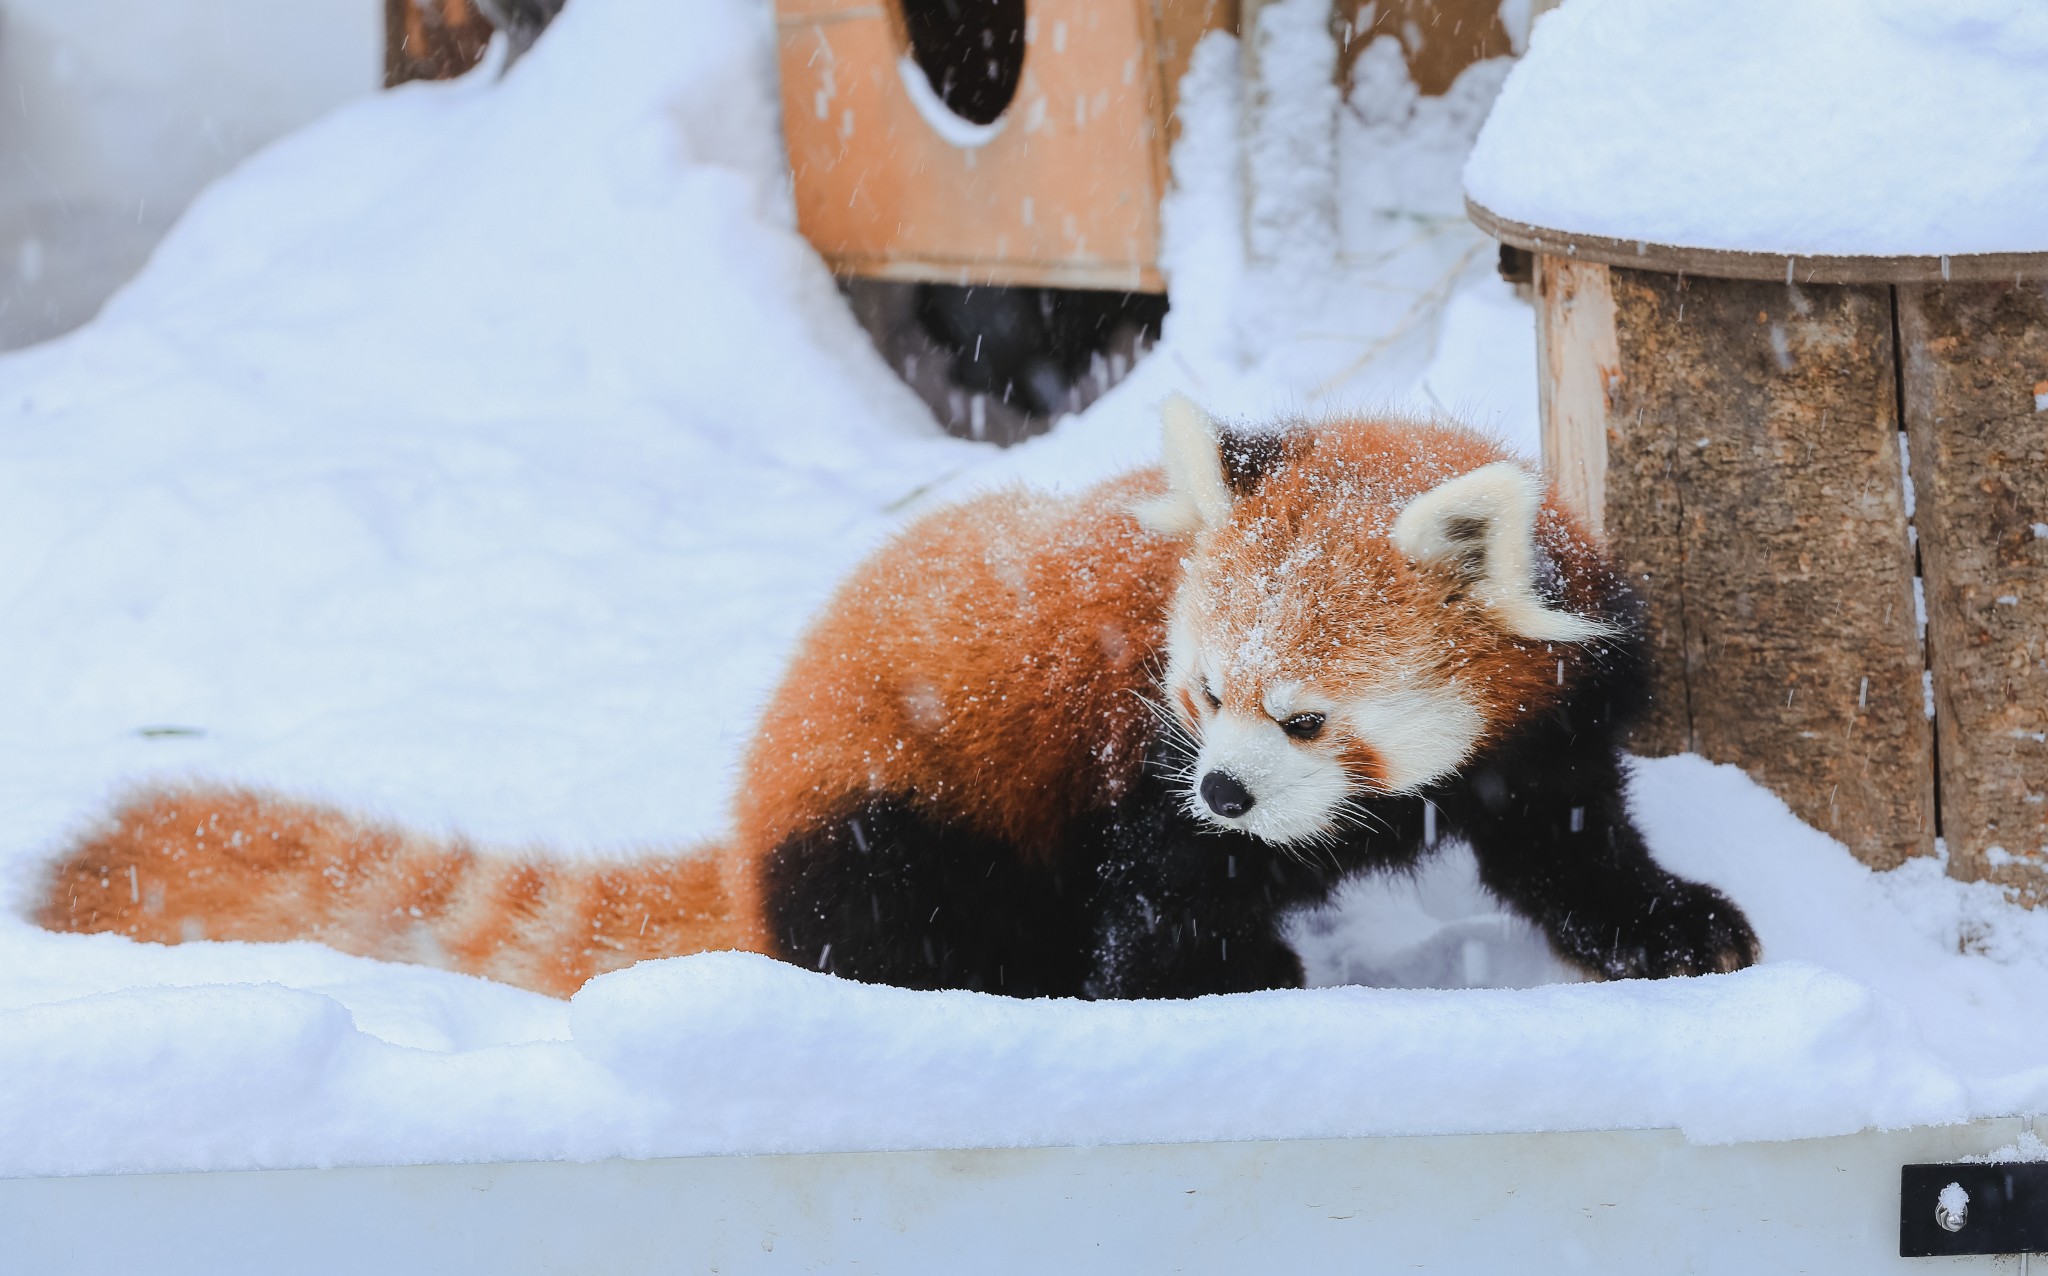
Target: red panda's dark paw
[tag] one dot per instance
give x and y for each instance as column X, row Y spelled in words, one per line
column 1685, row 929
column 1703, row 933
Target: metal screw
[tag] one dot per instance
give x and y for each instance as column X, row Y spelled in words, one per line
column 1952, row 1208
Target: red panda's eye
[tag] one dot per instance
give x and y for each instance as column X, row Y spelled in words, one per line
column 1215, row 701
column 1304, row 726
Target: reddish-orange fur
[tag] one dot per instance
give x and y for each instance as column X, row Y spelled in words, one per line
column 214, row 864
column 1051, row 608
column 995, row 659
column 998, row 652
column 1354, row 606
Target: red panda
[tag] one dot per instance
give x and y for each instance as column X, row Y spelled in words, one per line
column 1094, row 745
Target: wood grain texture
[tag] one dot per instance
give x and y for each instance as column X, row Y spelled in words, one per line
column 1179, row 26
column 432, row 39
column 1643, row 518
column 1066, row 195
column 1577, row 362
column 1755, row 496
column 1976, row 401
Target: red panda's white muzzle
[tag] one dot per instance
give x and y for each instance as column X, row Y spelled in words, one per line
column 1248, row 775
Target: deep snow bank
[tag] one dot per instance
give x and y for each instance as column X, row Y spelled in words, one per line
column 472, row 457
column 1793, row 126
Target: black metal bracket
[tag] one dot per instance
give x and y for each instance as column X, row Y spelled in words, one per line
column 1994, row 1207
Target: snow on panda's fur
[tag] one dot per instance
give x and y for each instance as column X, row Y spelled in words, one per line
column 1094, row 745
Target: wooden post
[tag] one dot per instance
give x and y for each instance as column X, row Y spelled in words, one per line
column 1734, row 421
column 1578, row 362
column 1755, row 431
column 1745, row 439
column 432, row 39
column 1976, row 408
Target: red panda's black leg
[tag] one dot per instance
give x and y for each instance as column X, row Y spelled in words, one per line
column 884, row 894
column 1550, row 827
column 1185, row 910
column 1156, row 948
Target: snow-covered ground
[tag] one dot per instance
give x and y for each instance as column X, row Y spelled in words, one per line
column 472, row 457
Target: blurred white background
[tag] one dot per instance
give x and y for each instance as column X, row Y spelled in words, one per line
column 114, row 113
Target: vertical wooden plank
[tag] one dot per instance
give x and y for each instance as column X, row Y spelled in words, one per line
column 1644, row 526
column 1755, row 492
column 1976, row 399
column 432, row 39
column 1616, row 471
column 1577, row 361
column 1579, row 368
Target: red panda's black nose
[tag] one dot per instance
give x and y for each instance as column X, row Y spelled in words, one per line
column 1225, row 795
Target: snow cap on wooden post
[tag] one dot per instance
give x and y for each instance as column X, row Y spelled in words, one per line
column 1793, row 335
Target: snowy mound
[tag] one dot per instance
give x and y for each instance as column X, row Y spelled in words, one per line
column 1812, row 127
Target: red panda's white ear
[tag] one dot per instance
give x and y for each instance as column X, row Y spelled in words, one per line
column 1197, row 494
column 1483, row 526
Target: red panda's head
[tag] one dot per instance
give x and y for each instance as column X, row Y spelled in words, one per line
column 1364, row 604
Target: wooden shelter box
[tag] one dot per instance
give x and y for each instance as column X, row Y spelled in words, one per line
column 1061, row 190
column 1828, row 477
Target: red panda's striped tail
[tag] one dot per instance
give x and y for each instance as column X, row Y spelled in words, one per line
column 229, row 864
